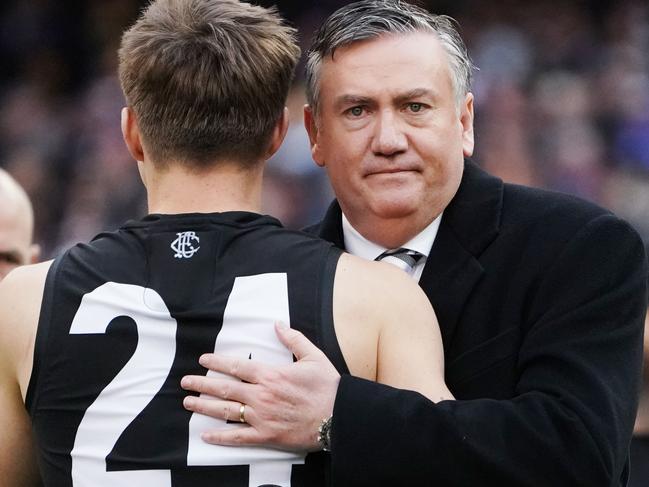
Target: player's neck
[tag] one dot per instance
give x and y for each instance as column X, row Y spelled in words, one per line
column 227, row 188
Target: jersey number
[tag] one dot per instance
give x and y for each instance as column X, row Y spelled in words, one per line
column 262, row 299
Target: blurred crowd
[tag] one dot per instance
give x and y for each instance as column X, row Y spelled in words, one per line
column 562, row 102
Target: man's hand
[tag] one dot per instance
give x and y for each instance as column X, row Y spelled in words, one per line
column 284, row 404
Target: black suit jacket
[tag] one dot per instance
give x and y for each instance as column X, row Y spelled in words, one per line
column 540, row 299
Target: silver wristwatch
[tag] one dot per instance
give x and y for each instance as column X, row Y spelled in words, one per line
column 324, row 434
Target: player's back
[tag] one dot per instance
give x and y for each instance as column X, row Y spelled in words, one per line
column 125, row 317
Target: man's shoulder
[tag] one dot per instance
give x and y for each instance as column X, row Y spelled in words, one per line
column 485, row 200
column 525, row 202
column 554, row 212
column 488, row 213
column 551, row 220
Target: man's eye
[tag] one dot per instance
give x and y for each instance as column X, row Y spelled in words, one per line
column 355, row 111
column 415, row 107
column 9, row 259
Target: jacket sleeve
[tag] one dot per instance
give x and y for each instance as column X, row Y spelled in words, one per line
column 571, row 419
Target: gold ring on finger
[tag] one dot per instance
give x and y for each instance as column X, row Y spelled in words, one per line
column 242, row 413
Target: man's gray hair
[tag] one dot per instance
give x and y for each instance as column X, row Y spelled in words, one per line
column 368, row 19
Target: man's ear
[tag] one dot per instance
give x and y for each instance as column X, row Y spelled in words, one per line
column 34, row 253
column 311, row 126
column 279, row 133
column 131, row 134
column 466, row 119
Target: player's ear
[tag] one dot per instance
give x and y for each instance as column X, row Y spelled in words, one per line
column 131, row 134
column 311, row 126
column 279, row 133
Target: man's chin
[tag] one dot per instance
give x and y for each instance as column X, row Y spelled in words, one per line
column 394, row 208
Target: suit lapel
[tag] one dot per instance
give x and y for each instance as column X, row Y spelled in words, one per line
column 450, row 274
column 331, row 226
column 469, row 224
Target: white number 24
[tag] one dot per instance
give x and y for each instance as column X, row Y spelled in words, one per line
column 253, row 305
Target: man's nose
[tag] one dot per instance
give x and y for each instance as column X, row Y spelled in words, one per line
column 389, row 138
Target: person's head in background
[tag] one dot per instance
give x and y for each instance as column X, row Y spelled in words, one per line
column 16, row 226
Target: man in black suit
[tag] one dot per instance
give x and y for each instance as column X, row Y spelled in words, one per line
column 540, row 296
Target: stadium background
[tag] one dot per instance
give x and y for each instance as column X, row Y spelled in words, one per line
column 562, row 102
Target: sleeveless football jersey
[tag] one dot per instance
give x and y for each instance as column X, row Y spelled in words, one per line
column 126, row 316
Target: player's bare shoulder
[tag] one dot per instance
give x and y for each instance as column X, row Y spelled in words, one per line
column 21, row 294
column 377, row 286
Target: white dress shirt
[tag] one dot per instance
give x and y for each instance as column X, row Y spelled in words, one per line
column 358, row 245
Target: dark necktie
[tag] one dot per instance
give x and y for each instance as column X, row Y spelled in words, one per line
column 404, row 259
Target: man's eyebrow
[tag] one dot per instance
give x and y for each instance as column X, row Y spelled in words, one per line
column 415, row 93
column 346, row 100
column 11, row 256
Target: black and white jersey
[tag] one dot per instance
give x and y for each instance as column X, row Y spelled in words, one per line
column 126, row 316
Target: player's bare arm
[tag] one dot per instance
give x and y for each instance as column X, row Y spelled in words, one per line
column 387, row 331
column 20, row 299
column 383, row 318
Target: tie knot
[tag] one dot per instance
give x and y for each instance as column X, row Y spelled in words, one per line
column 404, row 259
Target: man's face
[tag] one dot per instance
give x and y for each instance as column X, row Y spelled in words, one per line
column 389, row 131
column 15, row 241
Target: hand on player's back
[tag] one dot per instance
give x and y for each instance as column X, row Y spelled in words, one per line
column 278, row 409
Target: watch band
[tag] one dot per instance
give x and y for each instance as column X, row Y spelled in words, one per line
column 324, row 434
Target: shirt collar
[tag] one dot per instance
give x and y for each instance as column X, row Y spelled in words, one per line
column 358, row 245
